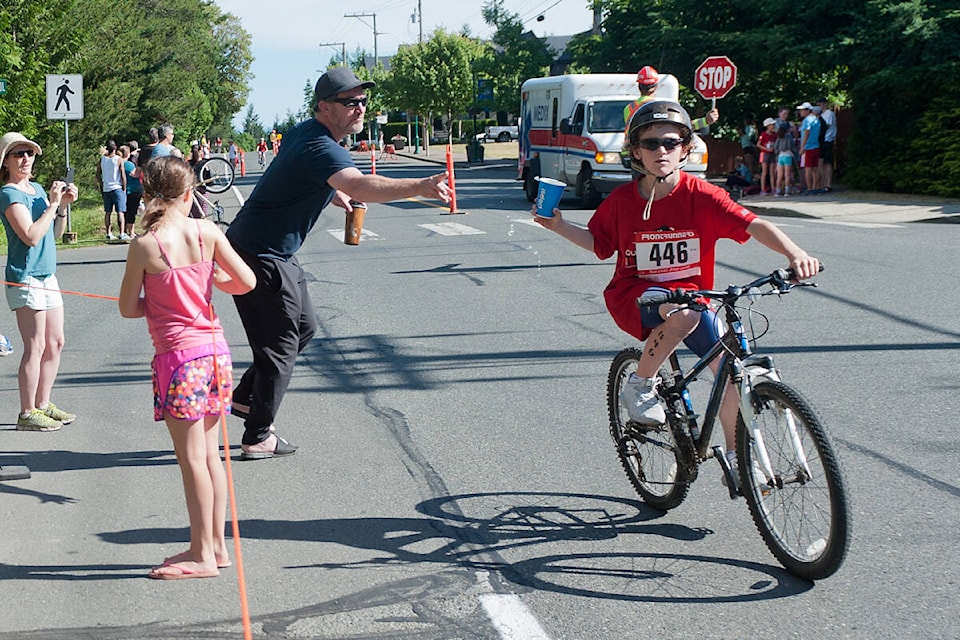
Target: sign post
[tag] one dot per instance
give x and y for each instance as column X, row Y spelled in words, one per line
column 65, row 102
column 715, row 77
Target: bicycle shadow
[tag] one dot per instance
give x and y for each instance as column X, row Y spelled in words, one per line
column 522, row 522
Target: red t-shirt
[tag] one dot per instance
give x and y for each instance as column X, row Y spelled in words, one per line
column 674, row 249
column 766, row 140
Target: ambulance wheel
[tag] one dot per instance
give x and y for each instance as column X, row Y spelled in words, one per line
column 589, row 196
column 530, row 186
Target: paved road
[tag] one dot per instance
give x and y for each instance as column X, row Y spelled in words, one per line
column 456, row 478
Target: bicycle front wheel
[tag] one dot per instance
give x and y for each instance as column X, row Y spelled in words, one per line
column 802, row 513
column 648, row 454
column 216, row 174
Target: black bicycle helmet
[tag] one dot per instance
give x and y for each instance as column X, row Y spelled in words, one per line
column 649, row 114
column 657, row 112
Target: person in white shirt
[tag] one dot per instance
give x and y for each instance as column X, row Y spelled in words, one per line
column 827, row 146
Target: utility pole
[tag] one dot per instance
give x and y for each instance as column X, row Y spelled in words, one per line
column 343, row 50
column 375, row 32
column 420, row 18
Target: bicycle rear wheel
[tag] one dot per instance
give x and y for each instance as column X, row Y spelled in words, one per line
column 802, row 514
column 216, row 174
column 648, row 454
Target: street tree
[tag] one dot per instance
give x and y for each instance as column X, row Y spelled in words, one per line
column 517, row 56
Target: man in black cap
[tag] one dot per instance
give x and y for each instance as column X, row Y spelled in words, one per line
column 278, row 316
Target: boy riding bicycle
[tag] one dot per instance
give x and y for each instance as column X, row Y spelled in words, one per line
column 664, row 226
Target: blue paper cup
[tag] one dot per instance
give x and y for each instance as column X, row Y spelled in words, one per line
column 548, row 196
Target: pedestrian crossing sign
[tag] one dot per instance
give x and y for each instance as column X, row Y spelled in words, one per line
column 65, row 97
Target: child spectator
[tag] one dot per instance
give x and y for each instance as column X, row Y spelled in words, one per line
column 175, row 264
column 768, row 159
column 784, row 148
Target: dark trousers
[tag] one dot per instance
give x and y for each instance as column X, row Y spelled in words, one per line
column 279, row 320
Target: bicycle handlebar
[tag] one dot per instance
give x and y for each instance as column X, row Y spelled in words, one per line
column 780, row 278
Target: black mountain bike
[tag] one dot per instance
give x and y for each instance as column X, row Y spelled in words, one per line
column 787, row 468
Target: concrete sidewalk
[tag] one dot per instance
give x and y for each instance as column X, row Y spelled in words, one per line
column 841, row 206
column 858, row 207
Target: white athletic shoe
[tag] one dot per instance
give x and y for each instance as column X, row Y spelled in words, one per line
column 641, row 399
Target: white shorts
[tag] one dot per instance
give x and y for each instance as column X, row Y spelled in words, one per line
column 36, row 293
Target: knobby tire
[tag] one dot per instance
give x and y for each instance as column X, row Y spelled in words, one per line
column 804, row 521
column 648, row 455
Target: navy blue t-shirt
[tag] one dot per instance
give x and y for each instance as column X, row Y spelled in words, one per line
column 290, row 195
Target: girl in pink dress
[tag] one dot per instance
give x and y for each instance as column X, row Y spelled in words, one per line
column 174, row 265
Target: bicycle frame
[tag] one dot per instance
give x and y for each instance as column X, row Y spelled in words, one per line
column 739, row 365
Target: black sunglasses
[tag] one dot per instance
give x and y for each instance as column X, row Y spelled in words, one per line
column 351, row 103
column 652, row 144
column 20, row 153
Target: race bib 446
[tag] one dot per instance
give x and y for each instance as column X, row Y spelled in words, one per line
column 667, row 255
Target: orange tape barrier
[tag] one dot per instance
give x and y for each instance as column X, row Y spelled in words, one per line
column 72, row 293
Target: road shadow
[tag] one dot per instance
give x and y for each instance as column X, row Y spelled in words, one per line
column 501, row 524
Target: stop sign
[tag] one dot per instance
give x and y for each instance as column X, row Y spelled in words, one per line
column 715, row 77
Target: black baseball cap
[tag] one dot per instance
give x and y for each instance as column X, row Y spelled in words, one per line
column 337, row 80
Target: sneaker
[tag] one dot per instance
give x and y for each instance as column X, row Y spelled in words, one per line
column 124, row 237
column 765, row 192
column 6, row 348
column 37, row 420
column 641, row 399
column 58, row 414
column 111, row 237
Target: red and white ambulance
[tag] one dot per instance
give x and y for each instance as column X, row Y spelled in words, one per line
column 571, row 129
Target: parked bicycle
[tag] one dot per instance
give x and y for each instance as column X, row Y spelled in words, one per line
column 787, row 468
column 212, row 210
column 214, row 175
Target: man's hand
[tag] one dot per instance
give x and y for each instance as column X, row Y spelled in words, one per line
column 342, row 200
column 436, row 187
column 712, row 116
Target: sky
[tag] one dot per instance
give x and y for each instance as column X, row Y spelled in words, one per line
column 294, row 40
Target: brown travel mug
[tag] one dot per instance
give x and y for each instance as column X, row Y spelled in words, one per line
column 354, row 223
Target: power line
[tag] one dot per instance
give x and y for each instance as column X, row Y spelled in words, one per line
column 376, row 57
column 343, row 50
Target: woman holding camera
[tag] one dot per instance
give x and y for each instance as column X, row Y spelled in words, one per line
column 33, row 220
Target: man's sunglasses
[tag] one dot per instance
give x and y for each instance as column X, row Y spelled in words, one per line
column 652, row 144
column 21, row 153
column 351, row 103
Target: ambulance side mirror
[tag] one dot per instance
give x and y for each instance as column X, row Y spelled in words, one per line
column 565, row 126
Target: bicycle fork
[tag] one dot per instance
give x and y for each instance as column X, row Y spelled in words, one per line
column 750, row 410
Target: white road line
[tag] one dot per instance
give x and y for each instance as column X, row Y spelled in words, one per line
column 239, row 195
column 528, row 221
column 511, row 617
column 452, row 229
column 365, row 234
column 861, row 225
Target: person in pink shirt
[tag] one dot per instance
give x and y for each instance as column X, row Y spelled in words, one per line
column 170, row 274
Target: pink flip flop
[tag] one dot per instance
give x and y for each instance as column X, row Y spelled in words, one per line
column 180, row 573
